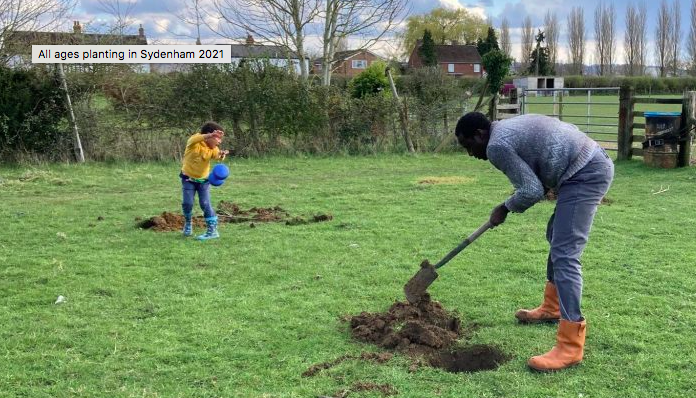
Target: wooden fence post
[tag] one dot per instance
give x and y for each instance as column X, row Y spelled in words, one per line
column 514, row 95
column 625, row 137
column 689, row 123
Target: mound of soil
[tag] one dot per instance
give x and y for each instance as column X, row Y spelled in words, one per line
column 425, row 329
column 231, row 213
column 419, row 328
column 166, row 222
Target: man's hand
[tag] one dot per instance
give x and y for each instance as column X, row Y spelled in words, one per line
column 223, row 154
column 499, row 214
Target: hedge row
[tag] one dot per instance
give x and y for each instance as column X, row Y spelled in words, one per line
column 642, row 84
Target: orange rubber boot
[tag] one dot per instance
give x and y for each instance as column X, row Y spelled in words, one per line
column 568, row 351
column 548, row 311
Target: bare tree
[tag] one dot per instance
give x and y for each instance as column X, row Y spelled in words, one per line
column 281, row 22
column 505, row 36
column 663, row 33
column 676, row 38
column 552, row 30
column 368, row 20
column 604, row 26
column 642, row 38
column 576, row 39
column 691, row 41
column 31, row 15
column 194, row 14
column 634, row 39
column 122, row 12
column 527, row 42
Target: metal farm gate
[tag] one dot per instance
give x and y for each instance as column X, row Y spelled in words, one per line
column 594, row 110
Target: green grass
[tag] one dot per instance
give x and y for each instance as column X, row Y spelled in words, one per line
column 153, row 315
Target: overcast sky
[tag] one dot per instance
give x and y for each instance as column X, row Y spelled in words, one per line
column 161, row 25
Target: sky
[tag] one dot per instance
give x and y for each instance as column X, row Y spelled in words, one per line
column 162, row 26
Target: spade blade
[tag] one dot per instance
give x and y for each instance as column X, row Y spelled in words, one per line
column 416, row 287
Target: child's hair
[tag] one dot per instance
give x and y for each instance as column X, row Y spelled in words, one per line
column 209, row 127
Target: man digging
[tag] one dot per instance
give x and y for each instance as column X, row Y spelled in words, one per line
column 538, row 153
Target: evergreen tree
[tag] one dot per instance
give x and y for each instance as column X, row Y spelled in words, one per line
column 489, row 44
column 540, row 59
column 427, row 50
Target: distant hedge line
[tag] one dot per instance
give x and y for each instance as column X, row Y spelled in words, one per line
column 31, row 113
column 123, row 115
column 642, row 84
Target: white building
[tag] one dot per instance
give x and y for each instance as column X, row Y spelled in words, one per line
column 538, row 82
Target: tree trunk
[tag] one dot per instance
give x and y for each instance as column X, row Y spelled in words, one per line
column 403, row 114
column 79, row 153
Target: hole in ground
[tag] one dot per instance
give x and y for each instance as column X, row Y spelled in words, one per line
column 469, row 359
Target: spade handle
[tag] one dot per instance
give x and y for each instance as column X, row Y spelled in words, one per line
column 466, row 242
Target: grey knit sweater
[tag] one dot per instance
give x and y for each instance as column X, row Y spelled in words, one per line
column 537, row 153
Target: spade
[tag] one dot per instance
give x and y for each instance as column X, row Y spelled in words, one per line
column 415, row 288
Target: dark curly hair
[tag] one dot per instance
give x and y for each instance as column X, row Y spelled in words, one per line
column 209, row 127
column 469, row 123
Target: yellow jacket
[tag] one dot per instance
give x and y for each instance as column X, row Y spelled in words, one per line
column 197, row 157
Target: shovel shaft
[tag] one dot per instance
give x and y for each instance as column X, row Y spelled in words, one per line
column 466, row 242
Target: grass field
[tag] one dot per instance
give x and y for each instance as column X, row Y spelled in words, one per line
column 150, row 314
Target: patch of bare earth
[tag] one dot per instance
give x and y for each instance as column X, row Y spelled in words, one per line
column 229, row 212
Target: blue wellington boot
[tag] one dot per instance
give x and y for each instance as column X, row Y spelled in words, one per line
column 188, row 227
column 211, row 232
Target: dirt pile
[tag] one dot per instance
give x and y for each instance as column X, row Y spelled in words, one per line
column 412, row 328
column 167, row 222
column 425, row 330
column 229, row 212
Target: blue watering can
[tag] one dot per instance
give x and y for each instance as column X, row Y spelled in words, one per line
column 218, row 174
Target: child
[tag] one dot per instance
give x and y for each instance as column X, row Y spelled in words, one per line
column 200, row 149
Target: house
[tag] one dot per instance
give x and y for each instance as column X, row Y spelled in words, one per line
column 249, row 51
column 275, row 55
column 17, row 47
column 348, row 63
column 455, row 59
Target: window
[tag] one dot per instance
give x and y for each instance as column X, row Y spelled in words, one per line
column 450, row 68
column 477, row 68
column 359, row 64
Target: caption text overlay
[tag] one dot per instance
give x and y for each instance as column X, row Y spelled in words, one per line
column 127, row 54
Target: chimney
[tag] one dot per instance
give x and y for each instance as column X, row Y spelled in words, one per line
column 249, row 40
column 77, row 29
column 141, row 31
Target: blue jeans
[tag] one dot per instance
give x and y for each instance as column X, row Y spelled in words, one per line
column 189, row 189
column 569, row 228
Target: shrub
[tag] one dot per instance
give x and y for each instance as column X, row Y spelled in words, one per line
column 372, row 81
column 31, row 113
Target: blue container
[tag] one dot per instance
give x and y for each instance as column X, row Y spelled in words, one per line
column 218, row 175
